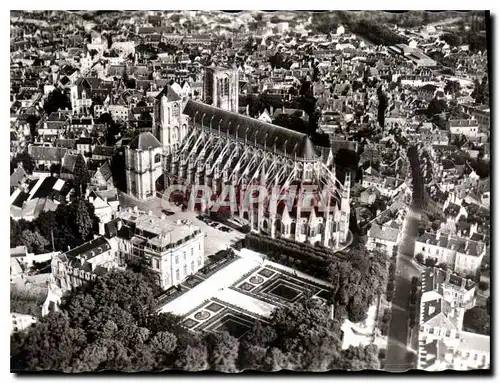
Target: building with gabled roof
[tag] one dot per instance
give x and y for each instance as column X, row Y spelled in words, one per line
column 463, row 255
column 442, row 343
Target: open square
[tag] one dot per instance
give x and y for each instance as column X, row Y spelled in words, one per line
column 285, row 291
column 234, row 326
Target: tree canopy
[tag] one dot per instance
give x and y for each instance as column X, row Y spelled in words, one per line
column 57, row 100
column 71, row 225
column 112, row 325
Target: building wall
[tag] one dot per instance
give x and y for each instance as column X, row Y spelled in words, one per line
column 20, row 322
column 143, row 168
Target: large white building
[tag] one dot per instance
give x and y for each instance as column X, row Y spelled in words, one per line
column 442, row 343
column 463, row 255
column 173, row 250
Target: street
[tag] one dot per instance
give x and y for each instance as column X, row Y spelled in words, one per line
column 406, row 269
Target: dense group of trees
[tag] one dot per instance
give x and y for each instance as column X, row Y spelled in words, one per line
column 57, row 100
column 478, row 320
column 70, row 224
column 382, row 106
column 377, row 33
column 112, row 326
column 357, row 279
column 481, row 92
column 26, row 161
column 26, row 302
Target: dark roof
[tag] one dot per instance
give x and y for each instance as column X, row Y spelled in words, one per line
column 65, row 143
column 105, row 170
column 144, row 141
column 88, row 250
column 251, row 129
column 170, row 93
column 68, row 163
column 46, row 153
column 102, row 150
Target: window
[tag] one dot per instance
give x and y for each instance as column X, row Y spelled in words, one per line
column 192, row 252
column 192, row 266
column 184, row 253
column 175, row 111
column 176, row 259
column 177, row 275
column 226, row 87
column 185, row 270
column 448, row 332
column 157, row 158
column 199, row 261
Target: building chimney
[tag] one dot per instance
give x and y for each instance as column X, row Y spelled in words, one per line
column 271, row 110
column 119, row 225
column 248, row 110
column 150, row 212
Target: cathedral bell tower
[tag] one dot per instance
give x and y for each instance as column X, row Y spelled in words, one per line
column 170, row 125
column 221, row 88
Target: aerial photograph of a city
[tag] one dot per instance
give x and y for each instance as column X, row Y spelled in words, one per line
column 250, row 190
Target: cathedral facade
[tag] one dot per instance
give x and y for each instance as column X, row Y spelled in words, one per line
column 204, row 144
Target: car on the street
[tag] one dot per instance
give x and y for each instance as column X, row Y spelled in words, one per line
column 166, row 212
column 225, row 229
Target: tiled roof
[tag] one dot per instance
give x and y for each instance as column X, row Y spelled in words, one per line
column 41, row 153
column 68, row 163
column 101, row 150
column 253, row 130
column 461, row 245
column 144, row 141
column 383, row 232
column 88, row 250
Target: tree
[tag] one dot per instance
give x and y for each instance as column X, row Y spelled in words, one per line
column 481, row 91
column 452, row 39
column 478, row 320
column 360, row 358
column 382, row 106
column 34, row 241
column 32, row 120
column 25, row 160
column 222, row 351
column 430, row 262
column 81, row 174
column 51, row 344
column 436, row 107
column 452, row 87
column 83, row 219
column 192, row 354
column 483, row 285
column 57, row 100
